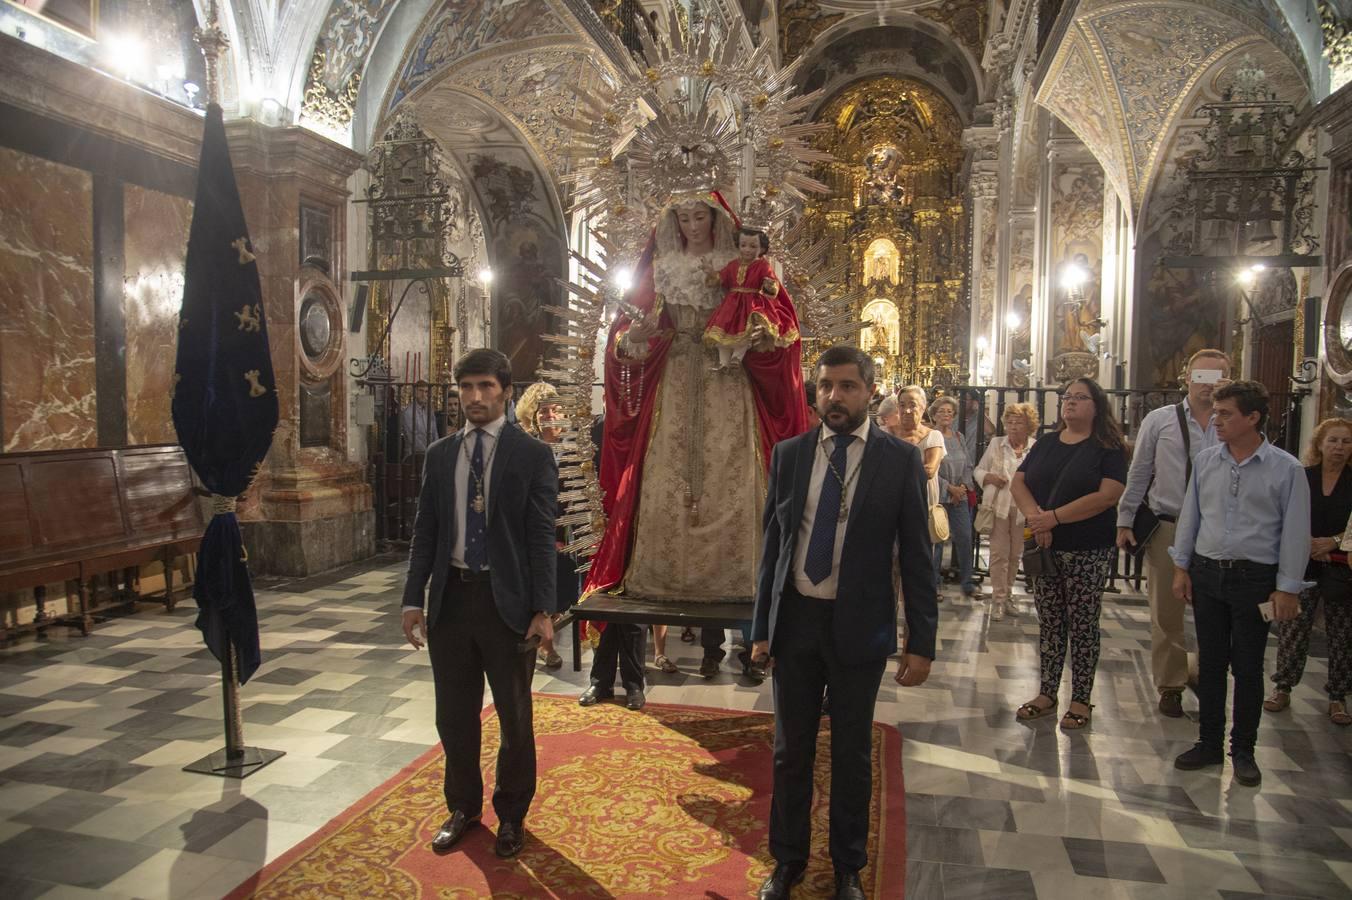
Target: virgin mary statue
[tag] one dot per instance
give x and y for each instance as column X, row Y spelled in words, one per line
column 686, row 447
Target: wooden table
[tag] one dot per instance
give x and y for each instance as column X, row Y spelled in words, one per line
column 636, row 611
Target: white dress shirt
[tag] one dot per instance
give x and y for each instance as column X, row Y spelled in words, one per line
column 1159, row 453
column 461, row 479
column 464, row 491
column 854, row 457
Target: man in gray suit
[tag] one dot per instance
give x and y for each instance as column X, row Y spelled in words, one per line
column 484, row 535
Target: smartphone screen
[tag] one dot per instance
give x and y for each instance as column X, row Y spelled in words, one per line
column 1206, row 376
column 1265, row 608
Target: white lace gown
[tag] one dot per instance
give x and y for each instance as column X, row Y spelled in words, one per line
column 697, row 535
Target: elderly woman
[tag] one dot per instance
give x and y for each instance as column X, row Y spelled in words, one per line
column 955, row 480
column 994, row 473
column 903, row 416
column 540, row 412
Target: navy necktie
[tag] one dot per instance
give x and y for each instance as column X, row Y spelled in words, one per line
column 476, row 522
column 821, row 549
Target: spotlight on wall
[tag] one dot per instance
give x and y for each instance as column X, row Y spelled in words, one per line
column 1073, row 276
column 982, row 343
column 1013, row 321
column 126, row 54
column 624, row 279
column 485, row 276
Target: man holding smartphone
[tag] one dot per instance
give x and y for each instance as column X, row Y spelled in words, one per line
column 1243, row 541
column 1160, row 465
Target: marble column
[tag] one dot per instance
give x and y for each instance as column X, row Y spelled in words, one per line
column 310, row 508
column 983, row 196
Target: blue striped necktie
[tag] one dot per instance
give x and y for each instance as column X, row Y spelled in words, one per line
column 476, row 523
column 821, row 548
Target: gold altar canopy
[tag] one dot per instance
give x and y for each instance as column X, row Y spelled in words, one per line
column 896, row 218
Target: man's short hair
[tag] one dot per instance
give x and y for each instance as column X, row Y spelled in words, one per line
column 844, row 355
column 810, row 392
column 1208, row 353
column 1249, row 396
column 484, row 361
column 421, row 384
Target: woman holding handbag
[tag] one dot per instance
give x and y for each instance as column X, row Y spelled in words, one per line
column 955, row 481
column 1066, row 488
column 998, row 515
column 1330, row 475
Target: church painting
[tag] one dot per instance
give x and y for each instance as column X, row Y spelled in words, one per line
column 527, row 251
column 1076, row 269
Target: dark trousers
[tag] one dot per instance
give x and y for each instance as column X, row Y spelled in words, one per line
column 623, row 644
column 468, row 642
column 806, row 664
column 1231, row 635
column 711, row 641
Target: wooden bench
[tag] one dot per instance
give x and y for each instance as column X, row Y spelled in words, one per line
column 71, row 515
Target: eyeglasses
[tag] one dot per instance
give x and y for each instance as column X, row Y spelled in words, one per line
column 1076, row 398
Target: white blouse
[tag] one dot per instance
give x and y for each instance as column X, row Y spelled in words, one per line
column 1000, row 459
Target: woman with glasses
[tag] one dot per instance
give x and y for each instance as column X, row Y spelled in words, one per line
column 955, row 480
column 1066, row 489
column 998, row 465
column 1330, row 480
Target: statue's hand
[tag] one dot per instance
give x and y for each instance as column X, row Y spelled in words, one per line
column 642, row 330
column 761, row 339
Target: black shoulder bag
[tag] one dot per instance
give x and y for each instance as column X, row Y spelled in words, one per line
column 1146, row 523
column 1038, row 561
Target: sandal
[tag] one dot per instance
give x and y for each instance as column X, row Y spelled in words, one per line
column 663, row 662
column 1030, row 710
column 1279, row 701
column 1072, row 721
column 1338, row 714
column 687, row 635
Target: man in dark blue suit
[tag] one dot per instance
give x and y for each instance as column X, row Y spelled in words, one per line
column 841, row 498
column 484, row 535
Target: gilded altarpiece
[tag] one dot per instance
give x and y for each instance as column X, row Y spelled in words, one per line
column 896, row 217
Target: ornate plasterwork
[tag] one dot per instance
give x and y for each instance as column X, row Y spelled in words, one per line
column 462, row 28
column 800, row 21
column 345, row 40
column 1078, row 95
column 964, row 19
column 1123, row 72
column 540, row 91
column 1337, row 44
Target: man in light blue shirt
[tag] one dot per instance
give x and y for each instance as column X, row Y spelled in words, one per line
column 1160, row 464
column 1243, row 540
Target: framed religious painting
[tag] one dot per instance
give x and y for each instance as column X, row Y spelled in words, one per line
column 79, row 16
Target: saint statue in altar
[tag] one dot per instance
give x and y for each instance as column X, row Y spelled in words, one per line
column 686, row 448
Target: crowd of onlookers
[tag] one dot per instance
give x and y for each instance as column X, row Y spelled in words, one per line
column 1222, row 519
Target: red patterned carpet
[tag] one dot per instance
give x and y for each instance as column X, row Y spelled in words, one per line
column 672, row 801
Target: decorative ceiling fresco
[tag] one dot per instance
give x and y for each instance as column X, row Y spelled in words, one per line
column 896, row 50
column 461, row 28
column 344, row 42
column 801, row 22
column 1121, row 75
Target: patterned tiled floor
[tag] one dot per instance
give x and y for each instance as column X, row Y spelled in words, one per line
column 94, row 733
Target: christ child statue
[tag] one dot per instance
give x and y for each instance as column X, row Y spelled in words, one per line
column 751, row 294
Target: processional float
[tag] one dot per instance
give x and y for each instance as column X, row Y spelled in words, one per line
column 695, row 111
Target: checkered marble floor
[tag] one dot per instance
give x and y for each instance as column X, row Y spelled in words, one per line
column 94, row 733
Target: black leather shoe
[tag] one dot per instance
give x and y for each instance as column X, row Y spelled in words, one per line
column 1171, row 704
column 634, row 699
column 784, row 877
column 848, row 886
column 510, row 839
column 1246, row 769
column 594, row 695
column 708, row 667
column 1199, row 757
column 452, row 830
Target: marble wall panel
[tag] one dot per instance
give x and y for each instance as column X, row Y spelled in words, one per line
column 46, row 305
column 155, row 245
